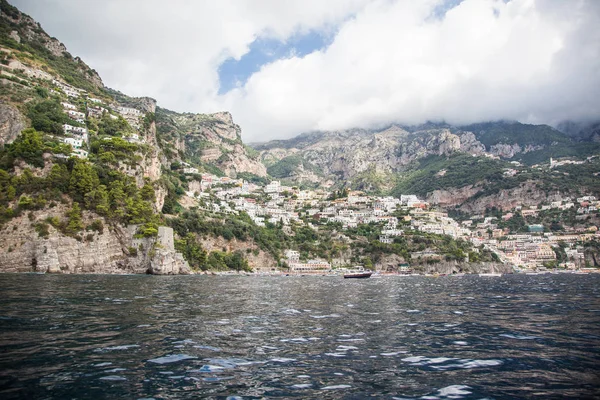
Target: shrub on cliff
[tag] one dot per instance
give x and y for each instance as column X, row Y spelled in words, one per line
column 47, row 116
column 29, row 147
column 74, row 220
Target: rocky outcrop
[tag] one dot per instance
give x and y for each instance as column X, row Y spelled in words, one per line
column 449, row 268
column 164, row 259
column 453, row 197
column 28, row 31
column 346, row 154
column 258, row 260
column 113, row 250
column 527, row 194
column 11, row 123
column 391, row 263
column 212, row 139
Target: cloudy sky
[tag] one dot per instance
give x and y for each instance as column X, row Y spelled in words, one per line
column 283, row 67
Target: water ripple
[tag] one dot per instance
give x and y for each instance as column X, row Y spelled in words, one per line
column 308, row 337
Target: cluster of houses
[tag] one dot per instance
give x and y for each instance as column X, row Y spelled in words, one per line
column 78, row 136
column 70, row 91
column 275, row 203
column 531, row 251
column 131, row 115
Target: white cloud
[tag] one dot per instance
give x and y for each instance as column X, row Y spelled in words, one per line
column 171, row 50
column 390, row 61
column 535, row 61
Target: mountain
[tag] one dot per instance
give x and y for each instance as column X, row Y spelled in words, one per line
column 88, row 174
column 207, row 140
column 435, row 160
column 95, row 181
column 582, row 131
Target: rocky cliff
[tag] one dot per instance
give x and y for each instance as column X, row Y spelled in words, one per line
column 29, row 244
column 11, row 123
column 24, row 30
column 346, row 154
column 207, row 140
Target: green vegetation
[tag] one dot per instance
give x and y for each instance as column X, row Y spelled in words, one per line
column 29, row 147
column 72, row 70
column 221, row 260
column 287, row 166
column 110, row 193
column 490, row 133
column 460, row 170
column 112, row 151
column 371, row 181
column 252, row 178
column 47, row 116
column 108, row 126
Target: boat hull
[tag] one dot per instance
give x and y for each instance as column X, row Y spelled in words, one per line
column 361, row 275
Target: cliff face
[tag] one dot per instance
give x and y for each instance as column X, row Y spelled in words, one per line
column 25, row 30
column 208, row 139
column 346, row 154
column 258, row 260
column 11, row 123
column 111, row 251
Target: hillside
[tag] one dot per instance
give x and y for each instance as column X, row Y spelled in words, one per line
column 89, row 165
column 434, row 160
column 95, row 181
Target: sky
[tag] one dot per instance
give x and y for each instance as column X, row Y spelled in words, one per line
column 284, row 67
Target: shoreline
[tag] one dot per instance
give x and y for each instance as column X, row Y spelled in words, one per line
column 587, row 271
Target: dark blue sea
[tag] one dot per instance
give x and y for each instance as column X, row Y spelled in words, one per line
column 238, row 337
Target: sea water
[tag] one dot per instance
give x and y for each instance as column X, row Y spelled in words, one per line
column 470, row 337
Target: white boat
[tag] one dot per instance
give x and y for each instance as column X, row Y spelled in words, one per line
column 358, row 272
column 490, row 274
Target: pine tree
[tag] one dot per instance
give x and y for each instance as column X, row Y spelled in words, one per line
column 84, row 180
column 75, row 222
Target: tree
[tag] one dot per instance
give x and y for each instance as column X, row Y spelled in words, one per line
column 147, row 192
column 75, row 222
column 192, row 251
column 29, row 146
column 47, row 116
column 84, row 180
column 101, row 200
column 112, row 127
column 59, row 177
column 117, row 197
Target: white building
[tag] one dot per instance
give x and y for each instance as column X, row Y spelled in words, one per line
column 135, row 138
column 71, row 93
column 76, row 115
column 75, row 143
column 292, row 256
column 310, row 266
column 74, row 129
column 79, row 153
column 190, row 170
column 69, row 106
column 128, row 111
column 273, row 187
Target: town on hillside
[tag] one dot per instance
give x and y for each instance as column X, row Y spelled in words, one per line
column 525, row 238
column 525, row 247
